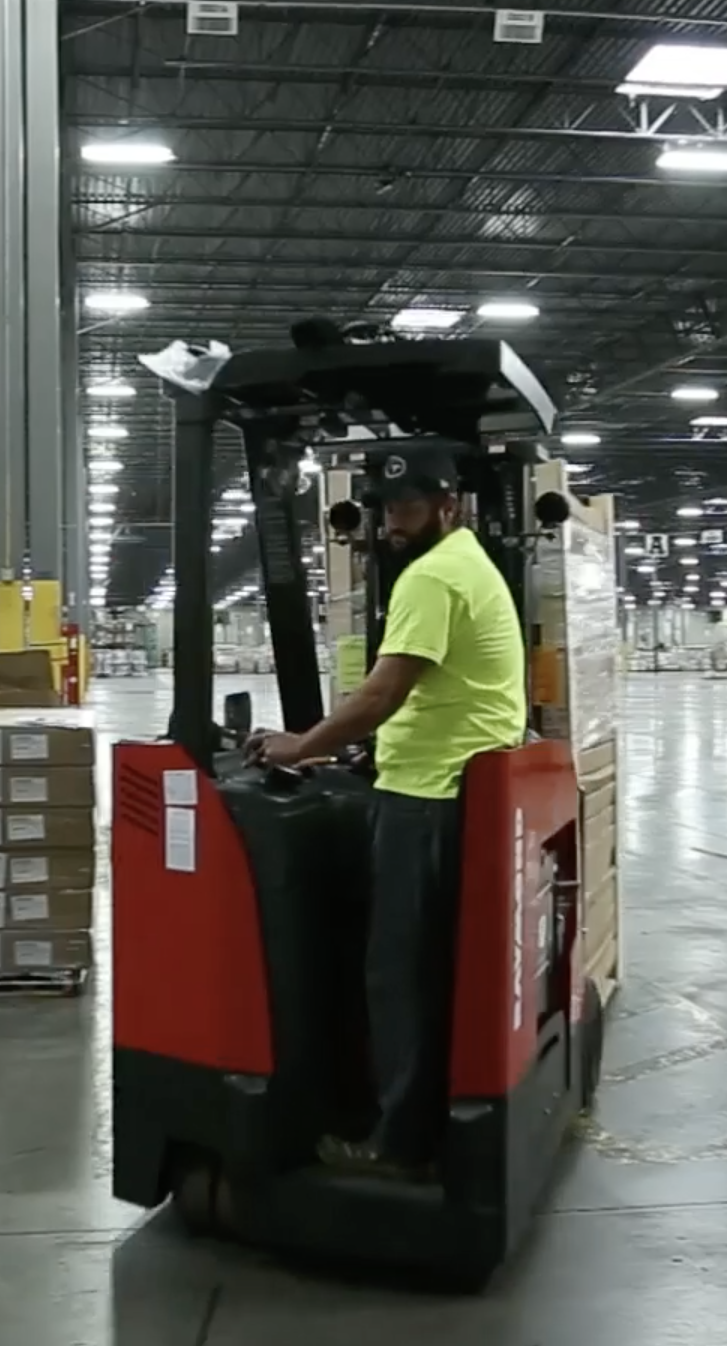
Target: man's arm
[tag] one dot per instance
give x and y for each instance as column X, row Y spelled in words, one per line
column 373, row 703
column 416, row 638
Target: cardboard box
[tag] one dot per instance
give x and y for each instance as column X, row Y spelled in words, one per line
column 18, row 698
column 37, row 870
column 52, row 829
column 58, row 786
column 26, row 679
column 22, row 952
column 30, row 742
column 46, row 910
column 601, row 758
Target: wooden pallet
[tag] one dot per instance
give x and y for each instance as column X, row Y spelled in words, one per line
column 62, row 982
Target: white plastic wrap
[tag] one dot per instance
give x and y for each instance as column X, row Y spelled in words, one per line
column 189, row 368
column 593, row 645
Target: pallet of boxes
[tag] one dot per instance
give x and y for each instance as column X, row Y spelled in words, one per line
column 47, row 859
column 576, row 681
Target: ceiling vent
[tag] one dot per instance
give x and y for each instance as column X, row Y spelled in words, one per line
column 213, row 18
column 519, row 25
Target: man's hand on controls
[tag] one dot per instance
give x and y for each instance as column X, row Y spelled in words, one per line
column 278, row 749
column 267, row 748
column 281, row 749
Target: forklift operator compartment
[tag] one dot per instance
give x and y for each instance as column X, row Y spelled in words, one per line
column 241, row 895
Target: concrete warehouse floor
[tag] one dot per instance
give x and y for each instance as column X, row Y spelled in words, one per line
column 631, row 1247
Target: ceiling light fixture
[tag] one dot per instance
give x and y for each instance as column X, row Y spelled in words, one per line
column 709, row 422
column 111, row 390
column 115, row 301
column 107, row 431
column 678, row 70
column 581, row 439
column 103, row 488
column 690, row 512
column 694, row 392
column 126, row 152
column 104, row 467
column 426, row 319
column 694, row 159
column 508, row 310
column 685, row 542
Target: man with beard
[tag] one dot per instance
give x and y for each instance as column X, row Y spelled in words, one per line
column 449, row 682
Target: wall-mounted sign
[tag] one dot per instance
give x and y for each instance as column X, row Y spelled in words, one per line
column 657, row 545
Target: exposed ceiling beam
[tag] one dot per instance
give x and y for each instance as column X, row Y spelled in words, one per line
column 297, row 126
column 344, row 267
column 151, row 200
column 379, row 239
column 631, row 385
column 388, row 175
column 330, row 292
column 450, row 12
column 194, row 70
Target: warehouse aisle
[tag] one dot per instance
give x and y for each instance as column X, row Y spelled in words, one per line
column 631, row 1247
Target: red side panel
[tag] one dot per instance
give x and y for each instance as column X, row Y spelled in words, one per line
column 514, row 803
column 189, row 972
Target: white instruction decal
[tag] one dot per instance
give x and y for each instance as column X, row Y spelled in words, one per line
column 28, row 790
column 28, row 747
column 25, row 827
column 33, row 953
column 30, row 869
column 180, row 788
column 180, row 840
column 29, row 907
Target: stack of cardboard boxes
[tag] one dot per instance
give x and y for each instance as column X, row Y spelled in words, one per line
column 599, row 874
column 26, row 679
column 47, row 860
column 574, row 687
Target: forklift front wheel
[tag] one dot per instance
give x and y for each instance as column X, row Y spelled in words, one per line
column 195, row 1199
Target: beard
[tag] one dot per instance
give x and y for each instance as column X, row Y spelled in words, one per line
column 410, row 549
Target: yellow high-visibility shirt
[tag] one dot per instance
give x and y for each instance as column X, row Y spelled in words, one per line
column 453, row 608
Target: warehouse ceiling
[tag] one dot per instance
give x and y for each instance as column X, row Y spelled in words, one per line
column 359, row 159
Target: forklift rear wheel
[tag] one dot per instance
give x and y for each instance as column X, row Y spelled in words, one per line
column 591, row 1043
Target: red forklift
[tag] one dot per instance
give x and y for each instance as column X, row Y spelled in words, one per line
column 240, row 894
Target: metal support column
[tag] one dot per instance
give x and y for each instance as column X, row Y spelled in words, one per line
column 13, row 336
column 74, row 513
column 42, row 239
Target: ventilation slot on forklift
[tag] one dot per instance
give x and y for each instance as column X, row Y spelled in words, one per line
column 138, row 800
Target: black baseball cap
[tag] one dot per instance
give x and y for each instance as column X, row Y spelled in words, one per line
column 419, row 472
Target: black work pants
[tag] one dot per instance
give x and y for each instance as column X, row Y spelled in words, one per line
column 410, row 969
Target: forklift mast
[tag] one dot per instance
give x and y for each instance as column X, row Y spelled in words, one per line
column 273, row 488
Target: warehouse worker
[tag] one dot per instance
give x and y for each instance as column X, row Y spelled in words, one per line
column 448, row 682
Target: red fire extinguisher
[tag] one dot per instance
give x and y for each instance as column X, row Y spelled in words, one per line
column 71, row 683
